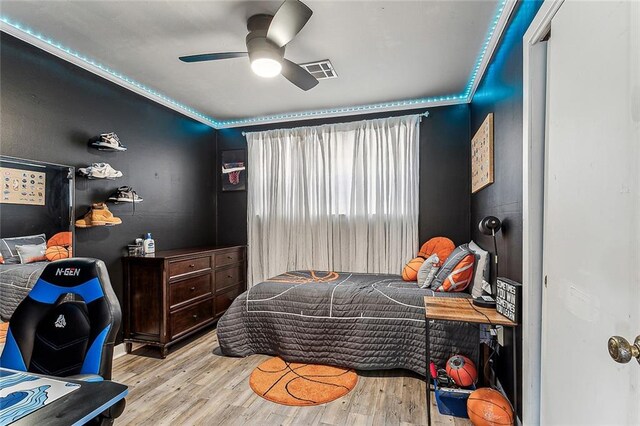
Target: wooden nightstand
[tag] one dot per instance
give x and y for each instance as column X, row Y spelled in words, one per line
column 463, row 310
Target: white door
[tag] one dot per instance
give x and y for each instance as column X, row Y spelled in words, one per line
column 592, row 215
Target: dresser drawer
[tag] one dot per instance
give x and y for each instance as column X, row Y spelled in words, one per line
column 188, row 318
column 229, row 257
column 188, row 266
column 223, row 301
column 229, row 277
column 181, row 292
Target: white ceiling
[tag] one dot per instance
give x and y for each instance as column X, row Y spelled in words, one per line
column 382, row 50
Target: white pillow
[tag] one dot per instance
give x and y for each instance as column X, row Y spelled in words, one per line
column 483, row 268
column 30, row 253
column 428, row 270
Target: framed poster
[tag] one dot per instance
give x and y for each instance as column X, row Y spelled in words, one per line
column 22, row 186
column 482, row 156
column 234, row 170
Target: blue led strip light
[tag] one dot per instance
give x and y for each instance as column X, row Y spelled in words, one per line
column 483, row 51
column 464, row 97
column 109, row 71
column 410, row 103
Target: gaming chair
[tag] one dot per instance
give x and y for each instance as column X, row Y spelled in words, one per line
column 52, row 336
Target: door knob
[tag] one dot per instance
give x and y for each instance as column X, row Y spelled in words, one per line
column 622, row 351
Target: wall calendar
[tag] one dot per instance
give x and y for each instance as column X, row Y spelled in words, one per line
column 482, row 156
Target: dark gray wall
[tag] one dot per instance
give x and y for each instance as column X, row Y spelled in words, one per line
column 51, row 108
column 444, row 174
column 500, row 92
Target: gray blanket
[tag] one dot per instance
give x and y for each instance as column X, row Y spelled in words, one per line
column 16, row 281
column 361, row 321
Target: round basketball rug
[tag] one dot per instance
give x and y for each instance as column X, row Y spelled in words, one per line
column 290, row 383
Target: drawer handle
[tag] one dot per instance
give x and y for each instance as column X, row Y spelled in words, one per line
column 192, row 289
column 195, row 316
column 229, row 276
column 192, row 265
column 229, row 257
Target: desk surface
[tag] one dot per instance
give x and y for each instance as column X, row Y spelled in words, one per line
column 77, row 407
column 462, row 309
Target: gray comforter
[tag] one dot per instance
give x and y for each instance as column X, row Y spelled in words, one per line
column 16, row 281
column 361, row 321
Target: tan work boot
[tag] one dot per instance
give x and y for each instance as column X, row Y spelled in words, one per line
column 85, row 222
column 100, row 215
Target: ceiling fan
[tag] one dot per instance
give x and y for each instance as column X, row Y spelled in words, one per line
column 266, row 42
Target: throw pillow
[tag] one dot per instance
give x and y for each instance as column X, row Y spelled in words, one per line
column 428, row 270
column 483, row 269
column 32, row 253
column 456, row 272
column 8, row 246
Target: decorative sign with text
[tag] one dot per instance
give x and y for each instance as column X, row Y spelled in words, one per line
column 508, row 298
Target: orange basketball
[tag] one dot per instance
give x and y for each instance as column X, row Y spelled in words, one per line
column 410, row 270
column 60, row 239
column 56, row 253
column 462, row 370
column 488, row 407
column 441, row 246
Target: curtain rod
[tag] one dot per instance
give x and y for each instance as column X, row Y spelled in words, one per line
column 424, row 114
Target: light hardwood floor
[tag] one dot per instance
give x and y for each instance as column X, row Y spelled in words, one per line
column 196, row 385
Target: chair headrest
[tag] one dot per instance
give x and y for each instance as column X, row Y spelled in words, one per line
column 85, row 277
column 71, row 272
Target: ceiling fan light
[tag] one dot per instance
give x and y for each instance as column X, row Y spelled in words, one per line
column 266, row 67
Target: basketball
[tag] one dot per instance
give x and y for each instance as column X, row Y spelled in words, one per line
column 462, row 370
column 488, row 407
column 56, row 253
column 441, row 246
column 410, row 271
column 60, row 239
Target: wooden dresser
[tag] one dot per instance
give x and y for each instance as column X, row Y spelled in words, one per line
column 175, row 293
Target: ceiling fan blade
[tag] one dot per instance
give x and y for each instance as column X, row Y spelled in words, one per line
column 288, row 21
column 298, row 75
column 212, row 56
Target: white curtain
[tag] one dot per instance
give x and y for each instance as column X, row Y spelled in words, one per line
column 339, row 197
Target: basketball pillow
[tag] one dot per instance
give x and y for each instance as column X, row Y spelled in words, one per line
column 56, row 253
column 410, row 271
column 441, row 246
column 1, row 259
column 462, row 370
column 456, row 272
column 60, row 239
column 488, row 407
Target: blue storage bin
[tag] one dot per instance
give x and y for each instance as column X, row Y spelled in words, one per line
column 452, row 401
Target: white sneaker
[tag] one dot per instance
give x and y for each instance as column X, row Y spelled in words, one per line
column 100, row 171
column 109, row 142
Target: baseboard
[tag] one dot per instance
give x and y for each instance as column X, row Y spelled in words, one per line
column 118, row 351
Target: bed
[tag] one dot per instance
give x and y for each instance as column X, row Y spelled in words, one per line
column 361, row 321
column 16, row 281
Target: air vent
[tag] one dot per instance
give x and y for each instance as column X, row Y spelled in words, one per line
column 320, row 69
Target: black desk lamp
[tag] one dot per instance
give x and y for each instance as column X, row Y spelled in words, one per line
column 489, row 226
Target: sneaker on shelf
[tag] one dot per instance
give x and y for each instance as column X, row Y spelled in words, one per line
column 109, row 142
column 125, row 194
column 98, row 215
column 99, row 171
